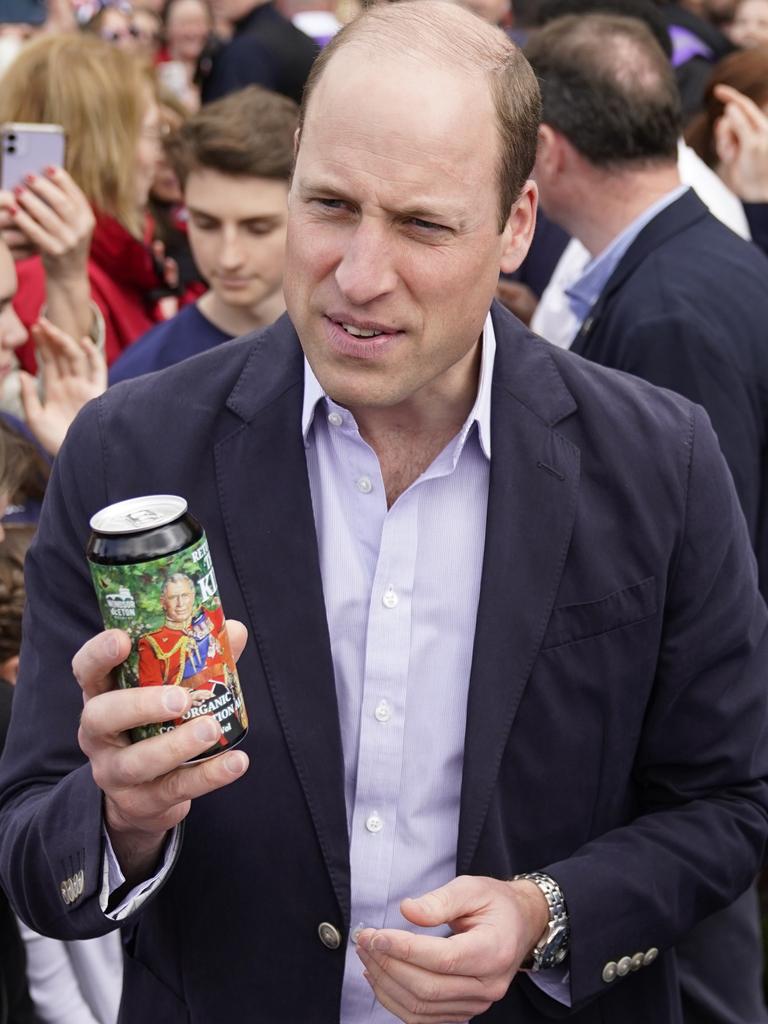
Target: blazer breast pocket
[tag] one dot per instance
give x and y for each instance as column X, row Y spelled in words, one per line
column 573, row 622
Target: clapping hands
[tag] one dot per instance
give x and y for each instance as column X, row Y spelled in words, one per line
column 71, row 372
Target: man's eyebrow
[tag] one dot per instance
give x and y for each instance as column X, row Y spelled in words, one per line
column 415, row 211
column 201, row 213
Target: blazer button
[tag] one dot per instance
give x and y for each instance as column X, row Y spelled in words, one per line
column 623, row 966
column 637, row 962
column 650, row 956
column 610, row 971
column 330, row 936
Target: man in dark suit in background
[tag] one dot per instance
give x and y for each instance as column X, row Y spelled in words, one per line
column 672, row 296
column 265, row 49
column 508, row 653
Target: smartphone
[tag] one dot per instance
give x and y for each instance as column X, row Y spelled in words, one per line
column 29, row 149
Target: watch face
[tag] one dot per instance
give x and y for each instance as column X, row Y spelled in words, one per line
column 555, row 949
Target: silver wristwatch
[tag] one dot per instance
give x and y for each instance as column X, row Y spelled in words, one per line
column 552, row 947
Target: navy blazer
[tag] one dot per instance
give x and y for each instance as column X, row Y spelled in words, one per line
column 687, row 309
column 616, row 729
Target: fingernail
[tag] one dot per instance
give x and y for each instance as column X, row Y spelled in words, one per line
column 18, row 191
column 13, row 210
column 236, row 762
column 50, row 171
column 174, row 699
column 380, row 944
column 113, row 649
column 30, row 179
column 207, row 730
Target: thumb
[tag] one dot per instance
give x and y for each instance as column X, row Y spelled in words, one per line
column 444, row 905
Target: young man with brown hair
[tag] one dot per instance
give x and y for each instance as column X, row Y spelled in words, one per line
column 233, row 160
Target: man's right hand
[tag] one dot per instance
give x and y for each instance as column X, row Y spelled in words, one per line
column 147, row 786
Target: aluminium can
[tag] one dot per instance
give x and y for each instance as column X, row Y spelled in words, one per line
column 154, row 578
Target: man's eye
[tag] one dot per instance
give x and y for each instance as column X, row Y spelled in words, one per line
column 424, row 225
column 331, row 204
column 204, row 225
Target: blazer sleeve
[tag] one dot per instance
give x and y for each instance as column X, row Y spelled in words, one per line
column 50, row 807
column 702, row 758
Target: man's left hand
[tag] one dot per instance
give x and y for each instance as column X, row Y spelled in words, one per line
column 425, row 979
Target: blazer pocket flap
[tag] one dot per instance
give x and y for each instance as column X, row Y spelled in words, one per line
column 572, row 622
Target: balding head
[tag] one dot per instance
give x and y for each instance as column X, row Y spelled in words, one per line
column 608, row 88
column 447, row 36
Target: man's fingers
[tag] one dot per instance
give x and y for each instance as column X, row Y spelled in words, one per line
column 96, row 659
column 415, row 987
column 465, row 953
column 147, row 805
column 152, row 758
column 238, row 637
column 113, row 713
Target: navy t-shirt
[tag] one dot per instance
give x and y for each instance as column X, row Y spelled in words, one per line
column 186, row 334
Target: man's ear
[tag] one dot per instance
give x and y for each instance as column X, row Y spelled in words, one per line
column 549, row 152
column 518, row 231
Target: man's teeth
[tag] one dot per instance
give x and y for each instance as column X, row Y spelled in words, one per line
column 358, row 332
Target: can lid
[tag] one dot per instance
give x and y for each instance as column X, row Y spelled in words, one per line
column 137, row 514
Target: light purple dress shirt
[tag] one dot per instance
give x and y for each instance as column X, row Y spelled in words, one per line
column 401, row 590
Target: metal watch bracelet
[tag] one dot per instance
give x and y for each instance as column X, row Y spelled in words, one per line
column 552, row 948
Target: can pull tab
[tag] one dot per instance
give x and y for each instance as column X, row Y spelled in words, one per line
column 143, row 516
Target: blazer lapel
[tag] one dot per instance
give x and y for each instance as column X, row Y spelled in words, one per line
column 670, row 221
column 267, row 511
column 531, row 508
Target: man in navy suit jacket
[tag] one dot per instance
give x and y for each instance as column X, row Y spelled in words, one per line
column 676, row 298
column 613, row 743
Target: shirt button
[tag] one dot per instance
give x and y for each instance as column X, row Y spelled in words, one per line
column 374, row 823
column 390, row 598
column 383, row 711
column 334, row 418
column 364, row 485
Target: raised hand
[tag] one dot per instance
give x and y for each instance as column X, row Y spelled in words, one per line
column 71, row 373
column 741, row 142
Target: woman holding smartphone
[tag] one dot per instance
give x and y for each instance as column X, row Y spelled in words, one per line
column 88, row 223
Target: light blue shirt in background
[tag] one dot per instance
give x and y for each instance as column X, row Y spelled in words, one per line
column 586, row 290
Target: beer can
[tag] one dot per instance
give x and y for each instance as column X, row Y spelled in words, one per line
column 154, row 578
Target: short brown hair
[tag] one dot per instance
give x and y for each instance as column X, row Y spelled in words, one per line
column 450, row 35
column 248, row 133
column 99, row 94
column 23, row 470
column 608, row 87
column 12, row 594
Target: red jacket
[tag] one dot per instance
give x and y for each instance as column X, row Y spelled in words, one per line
column 121, row 270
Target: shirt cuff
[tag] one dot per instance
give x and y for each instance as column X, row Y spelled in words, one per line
column 112, row 878
column 555, row 982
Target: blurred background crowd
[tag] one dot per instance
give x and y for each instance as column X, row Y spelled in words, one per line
column 160, row 235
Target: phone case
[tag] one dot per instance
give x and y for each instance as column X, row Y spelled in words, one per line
column 28, row 149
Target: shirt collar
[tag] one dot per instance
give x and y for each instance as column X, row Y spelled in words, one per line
column 585, row 291
column 480, row 412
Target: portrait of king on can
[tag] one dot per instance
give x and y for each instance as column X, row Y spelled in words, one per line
column 170, row 608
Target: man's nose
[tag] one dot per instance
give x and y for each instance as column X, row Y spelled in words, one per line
column 231, row 253
column 367, row 269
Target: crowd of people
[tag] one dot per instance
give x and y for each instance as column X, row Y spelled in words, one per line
column 459, row 308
